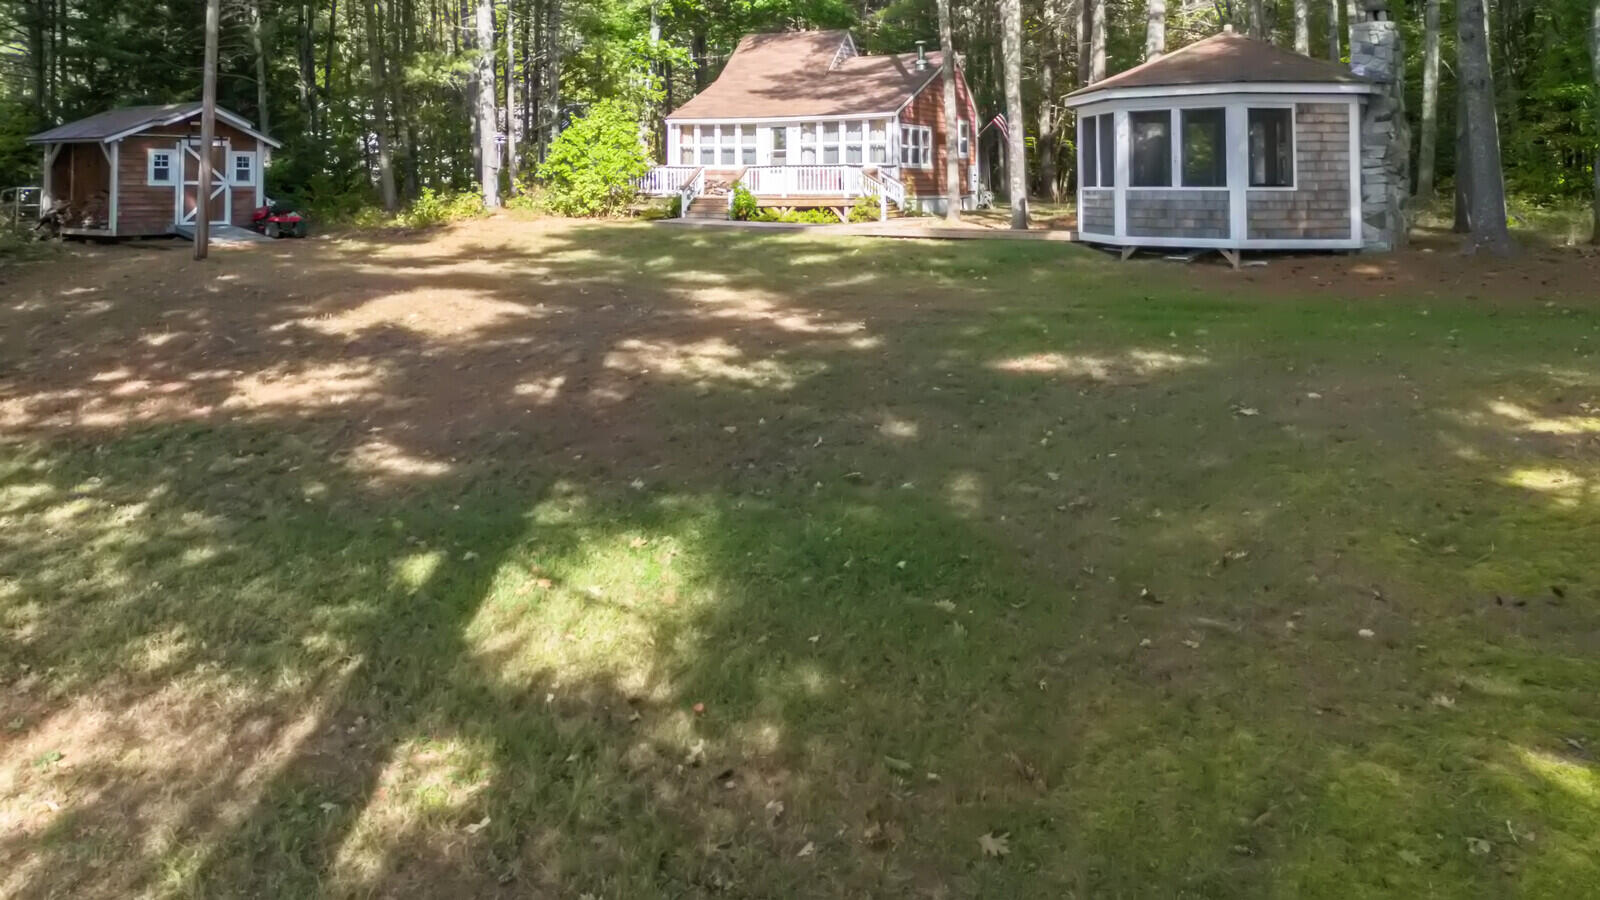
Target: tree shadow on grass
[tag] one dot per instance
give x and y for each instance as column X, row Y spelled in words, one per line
column 640, row 563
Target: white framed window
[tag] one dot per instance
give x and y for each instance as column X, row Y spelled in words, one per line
column 830, row 143
column 808, row 144
column 747, row 145
column 162, row 168
column 1150, row 154
column 963, row 139
column 1097, row 160
column 1203, row 145
column 685, row 145
column 916, row 146
column 1271, row 133
column 242, row 169
column 877, row 141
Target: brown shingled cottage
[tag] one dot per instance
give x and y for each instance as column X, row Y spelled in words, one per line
column 1235, row 144
column 802, row 119
column 134, row 171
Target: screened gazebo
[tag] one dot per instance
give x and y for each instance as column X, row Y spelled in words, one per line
column 1229, row 143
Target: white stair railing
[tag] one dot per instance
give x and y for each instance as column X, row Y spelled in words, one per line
column 691, row 189
column 664, row 181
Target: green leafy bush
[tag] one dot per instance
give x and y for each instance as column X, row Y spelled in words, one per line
column 591, row 167
column 530, row 198
column 744, row 204
column 799, row 216
column 865, row 210
column 436, row 208
column 675, row 206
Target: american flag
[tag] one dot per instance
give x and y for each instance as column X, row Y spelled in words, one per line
column 999, row 121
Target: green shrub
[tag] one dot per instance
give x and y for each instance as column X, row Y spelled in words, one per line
column 675, row 206
column 865, row 210
column 801, row 216
column 530, row 198
column 437, row 208
column 744, row 204
column 591, row 167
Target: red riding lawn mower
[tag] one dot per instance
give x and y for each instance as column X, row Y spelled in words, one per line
column 276, row 220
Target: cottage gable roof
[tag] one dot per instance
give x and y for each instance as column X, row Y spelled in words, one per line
column 118, row 123
column 808, row 73
column 1225, row 59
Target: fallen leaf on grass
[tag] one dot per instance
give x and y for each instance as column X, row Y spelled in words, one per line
column 697, row 754
column 1478, row 846
column 995, row 845
column 774, row 810
column 898, row 766
column 637, row 542
column 945, row 605
column 1410, row 858
column 1366, row 632
column 810, row 849
column 478, row 826
column 1247, row 411
column 1192, row 645
column 1444, row 700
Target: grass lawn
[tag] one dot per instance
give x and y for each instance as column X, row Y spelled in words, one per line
column 627, row 561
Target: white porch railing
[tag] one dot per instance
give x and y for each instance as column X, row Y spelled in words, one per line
column 894, row 190
column 664, row 181
column 800, row 181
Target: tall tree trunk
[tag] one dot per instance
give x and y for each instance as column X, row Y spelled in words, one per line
column 333, row 34
column 1046, row 152
column 208, row 136
column 256, row 42
column 1333, row 30
column 1258, row 18
column 37, row 55
column 380, row 115
column 553, row 48
column 1427, row 147
column 1594, row 54
column 1302, row 27
column 697, row 49
column 952, row 155
column 1487, row 198
column 308, row 65
column 1017, row 126
column 483, row 75
column 1155, row 28
column 511, row 99
column 1097, row 40
column 1351, row 16
column 1463, row 209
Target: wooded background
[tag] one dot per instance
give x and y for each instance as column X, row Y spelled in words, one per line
column 361, row 89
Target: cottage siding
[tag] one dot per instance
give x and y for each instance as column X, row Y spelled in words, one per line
column 1177, row 213
column 927, row 108
column 151, row 209
column 1098, row 215
column 1319, row 206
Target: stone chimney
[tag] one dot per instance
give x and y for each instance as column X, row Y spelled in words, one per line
column 1378, row 52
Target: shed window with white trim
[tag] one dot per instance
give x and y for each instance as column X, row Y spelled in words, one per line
column 160, row 169
column 1151, row 160
column 1272, row 146
column 965, row 144
column 242, row 172
column 916, row 146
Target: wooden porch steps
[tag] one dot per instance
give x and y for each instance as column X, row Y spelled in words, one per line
column 710, row 206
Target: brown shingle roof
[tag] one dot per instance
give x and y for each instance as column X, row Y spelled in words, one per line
column 1226, row 59
column 793, row 74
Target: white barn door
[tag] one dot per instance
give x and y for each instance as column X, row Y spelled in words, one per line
column 219, row 198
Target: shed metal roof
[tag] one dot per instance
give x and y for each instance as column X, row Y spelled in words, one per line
column 118, row 123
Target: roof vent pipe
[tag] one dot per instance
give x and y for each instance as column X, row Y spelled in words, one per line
column 922, row 55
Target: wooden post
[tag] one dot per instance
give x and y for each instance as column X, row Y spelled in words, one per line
column 208, row 132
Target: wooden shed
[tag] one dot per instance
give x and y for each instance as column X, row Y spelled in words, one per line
column 1235, row 144
column 134, row 171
